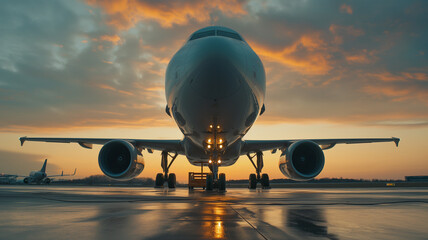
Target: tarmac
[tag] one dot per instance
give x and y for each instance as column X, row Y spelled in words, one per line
column 71, row 212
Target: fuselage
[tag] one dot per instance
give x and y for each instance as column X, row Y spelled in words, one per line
column 215, row 87
column 36, row 176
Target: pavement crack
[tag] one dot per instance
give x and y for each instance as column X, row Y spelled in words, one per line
column 260, row 233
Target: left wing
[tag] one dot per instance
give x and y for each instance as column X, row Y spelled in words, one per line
column 3, row 175
column 161, row 145
column 251, row 146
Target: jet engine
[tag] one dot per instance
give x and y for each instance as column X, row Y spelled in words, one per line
column 120, row 160
column 302, row 161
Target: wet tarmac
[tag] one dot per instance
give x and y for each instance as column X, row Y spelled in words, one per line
column 55, row 212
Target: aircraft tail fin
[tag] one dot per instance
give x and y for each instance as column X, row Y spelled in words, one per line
column 44, row 166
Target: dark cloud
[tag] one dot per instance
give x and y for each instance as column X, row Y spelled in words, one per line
column 69, row 64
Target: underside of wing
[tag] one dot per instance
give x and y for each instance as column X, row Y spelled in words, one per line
column 161, row 145
column 250, row 146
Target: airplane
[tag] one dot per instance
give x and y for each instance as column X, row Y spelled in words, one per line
column 7, row 178
column 41, row 176
column 215, row 87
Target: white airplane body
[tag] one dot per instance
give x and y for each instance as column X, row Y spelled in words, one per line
column 40, row 176
column 215, row 88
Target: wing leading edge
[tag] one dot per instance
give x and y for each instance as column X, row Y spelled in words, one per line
column 161, row 145
column 250, row 146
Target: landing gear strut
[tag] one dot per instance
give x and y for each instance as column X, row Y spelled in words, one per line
column 165, row 177
column 214, row 179
column 255, row 178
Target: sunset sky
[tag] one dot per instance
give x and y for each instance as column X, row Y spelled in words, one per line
column 335, row 69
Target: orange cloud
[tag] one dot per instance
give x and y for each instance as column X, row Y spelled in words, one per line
column 308, row 55
column 402, row 77
column 362, row 57
column 108, row 87
column 346, row 9
column 390, row 91
column 115, row 39
column 124, row 14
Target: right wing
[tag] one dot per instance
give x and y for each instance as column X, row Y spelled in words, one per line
column 251, row 146
column 161, row 145
column 64, row 175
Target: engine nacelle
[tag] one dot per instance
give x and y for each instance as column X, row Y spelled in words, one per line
column 120, row 160
column 302, row 161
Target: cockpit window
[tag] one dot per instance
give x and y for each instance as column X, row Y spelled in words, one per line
column 202, row 35
column 229, row 35
column 216, row 33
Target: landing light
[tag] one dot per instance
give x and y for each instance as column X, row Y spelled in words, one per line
column 209, row 140
column 220, row 146
column 219, row 161
column 211, row 126
column 220, row 140
column 218, row 126
column 209, row 146
column 210, row 161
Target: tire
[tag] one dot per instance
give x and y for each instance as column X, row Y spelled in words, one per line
column 210, row 182
column 47, row 180
column 252, row 184
column 222, row 182
column 159, row 180
column 26, row 180
column 172, row 180
column 265, row 180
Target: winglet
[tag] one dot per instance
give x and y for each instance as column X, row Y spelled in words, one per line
column 396, row 140
column 75, row 171
column 22, row 140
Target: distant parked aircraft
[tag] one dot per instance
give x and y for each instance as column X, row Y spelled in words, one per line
column 7, row 178
column 39, row 177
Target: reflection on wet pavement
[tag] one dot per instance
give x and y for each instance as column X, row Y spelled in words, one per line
column 52, row 212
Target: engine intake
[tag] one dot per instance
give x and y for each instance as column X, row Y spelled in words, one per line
column 120, row 160
column 302, row 161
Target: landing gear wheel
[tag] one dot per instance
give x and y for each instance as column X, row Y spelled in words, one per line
column 210, row 182
column 26, row 180
column 171, row 180
column 253, row 181
column 222, row 182
column 265, row 181
column 47, row 181
column 159, row 180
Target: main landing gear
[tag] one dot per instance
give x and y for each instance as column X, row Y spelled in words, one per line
column 170, row 178
column 214, row 179
column 255, row 178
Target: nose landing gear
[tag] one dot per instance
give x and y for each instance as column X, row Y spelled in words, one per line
column 214, row 179
column 170, row 178
column 255, row 178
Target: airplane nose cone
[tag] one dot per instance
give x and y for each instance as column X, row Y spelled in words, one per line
column 217, row 74
column 216, row 77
